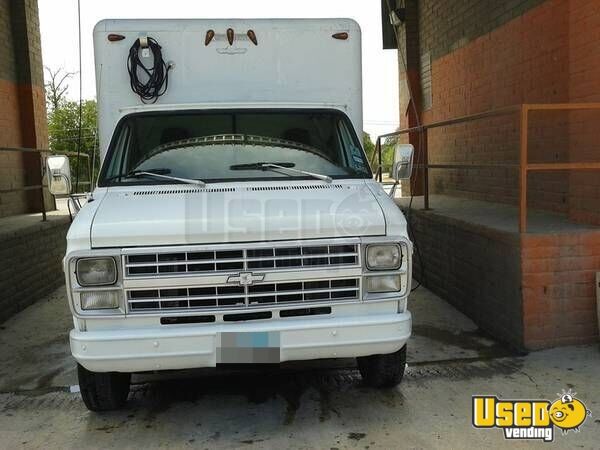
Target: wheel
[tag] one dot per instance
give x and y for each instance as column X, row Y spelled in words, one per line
column 103, row 391
column 383, row 370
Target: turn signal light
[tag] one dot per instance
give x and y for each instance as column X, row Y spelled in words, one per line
column 384, row 283
column 91, row 300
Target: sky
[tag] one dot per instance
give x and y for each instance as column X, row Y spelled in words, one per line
column 58, row 26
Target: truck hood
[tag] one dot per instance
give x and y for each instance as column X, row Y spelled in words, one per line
column 176, row 215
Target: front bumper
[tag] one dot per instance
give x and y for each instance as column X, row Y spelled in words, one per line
column 187, row 346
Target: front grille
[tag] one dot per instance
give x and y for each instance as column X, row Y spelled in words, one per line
column 222, row 296
column 219, row 261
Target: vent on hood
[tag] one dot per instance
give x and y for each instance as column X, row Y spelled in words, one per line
column 184, row 191
column 302, row 187
column 308, row 187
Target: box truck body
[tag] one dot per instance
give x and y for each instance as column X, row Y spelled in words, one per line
column 235, row 218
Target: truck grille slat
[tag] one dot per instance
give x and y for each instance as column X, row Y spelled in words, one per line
column 211, row 297
column 223, row 261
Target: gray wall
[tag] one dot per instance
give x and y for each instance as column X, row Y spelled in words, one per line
column 30, row 262
column 475, row 269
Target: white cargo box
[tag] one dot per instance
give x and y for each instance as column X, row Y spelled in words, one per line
column 296, row 63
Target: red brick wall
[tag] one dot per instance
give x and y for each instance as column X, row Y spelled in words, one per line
column 22, row 106
column 10, row 125
column 522, row 61
column 11, row 164
column 489, row 54
column 584, row 86
column 559, row 293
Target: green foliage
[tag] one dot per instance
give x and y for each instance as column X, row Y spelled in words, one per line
column 368, row 145
column 63, row 133
column 387, row 154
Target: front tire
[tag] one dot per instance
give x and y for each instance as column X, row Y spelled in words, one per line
column 103, row 391
column 382, row 371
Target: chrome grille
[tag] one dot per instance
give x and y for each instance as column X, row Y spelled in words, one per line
column 215, row 261
column 223, row 296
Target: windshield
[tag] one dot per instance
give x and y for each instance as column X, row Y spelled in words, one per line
column 220, row 146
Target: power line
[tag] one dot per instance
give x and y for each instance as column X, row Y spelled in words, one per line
column 80, row 95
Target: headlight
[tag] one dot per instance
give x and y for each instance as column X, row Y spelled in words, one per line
column 384, row 257
column 100, row 300
column 383, row 283
column 96, row 271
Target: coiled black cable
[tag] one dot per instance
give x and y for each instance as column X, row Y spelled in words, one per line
column 157, row 76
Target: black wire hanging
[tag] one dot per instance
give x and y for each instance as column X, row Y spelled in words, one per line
column 156, row 76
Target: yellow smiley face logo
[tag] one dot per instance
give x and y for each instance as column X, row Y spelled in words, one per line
column 568, row 413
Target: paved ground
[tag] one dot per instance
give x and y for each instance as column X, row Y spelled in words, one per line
column 316, row 405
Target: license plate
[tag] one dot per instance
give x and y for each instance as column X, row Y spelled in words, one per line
column 259, row 347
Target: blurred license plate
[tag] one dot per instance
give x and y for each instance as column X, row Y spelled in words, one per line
column 260, row 347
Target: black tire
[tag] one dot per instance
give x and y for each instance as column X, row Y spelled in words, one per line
column 382, row 371
column 103, row 391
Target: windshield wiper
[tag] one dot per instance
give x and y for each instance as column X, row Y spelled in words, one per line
column 141, row 173
column 260, row 166
column 289, row 167
column 157, row 173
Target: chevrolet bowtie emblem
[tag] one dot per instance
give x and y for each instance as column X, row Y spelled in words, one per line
column 246, row 278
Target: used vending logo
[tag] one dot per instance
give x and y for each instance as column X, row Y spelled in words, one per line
column 530, row 419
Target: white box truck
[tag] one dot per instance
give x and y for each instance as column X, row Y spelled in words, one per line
column 235, row 218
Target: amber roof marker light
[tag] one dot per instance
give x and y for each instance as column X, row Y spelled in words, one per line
column 341, row 36
column 115, row 37
column 210, row 35
column 230, row 35
column 252, row 36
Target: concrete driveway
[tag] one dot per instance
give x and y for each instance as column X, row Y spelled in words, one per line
column 309, row 405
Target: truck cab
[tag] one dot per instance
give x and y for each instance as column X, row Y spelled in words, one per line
column 235, row 218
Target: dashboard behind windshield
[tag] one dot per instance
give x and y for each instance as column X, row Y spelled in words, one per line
column 212, row 146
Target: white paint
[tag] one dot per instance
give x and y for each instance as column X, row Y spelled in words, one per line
column 296, row 61
column 344, row 209
column 127, row 350
column 297, row 64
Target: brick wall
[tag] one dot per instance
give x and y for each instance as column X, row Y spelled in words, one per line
column 448, row 25
column 531, row 292
column 7, row 52
column 584, row 86
column 521, row 61
column 475, row 269
column 22, row 109
column 477, row 55
column 559, row 292
column 37, row 270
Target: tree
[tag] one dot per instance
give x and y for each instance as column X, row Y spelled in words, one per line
column 63, row 133
column 64, row 125
column 387, row 155
column 368, row 145
column 56, row 86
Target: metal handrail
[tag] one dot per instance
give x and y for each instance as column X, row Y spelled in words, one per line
column 41, row 186
column 523, row 166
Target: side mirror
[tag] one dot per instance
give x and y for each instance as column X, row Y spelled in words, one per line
column 59, row 175
column 403, row 162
